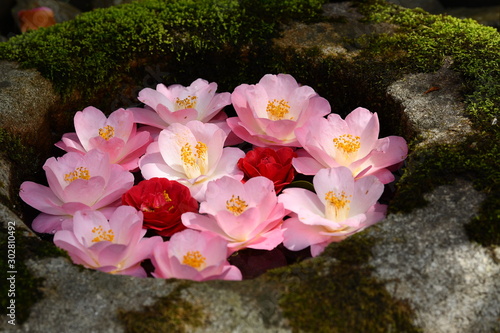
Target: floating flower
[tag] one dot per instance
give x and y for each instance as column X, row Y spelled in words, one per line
column 340, row 207
column 116, row 135
column 116, row 246
column 76, row 182
column 273, row 164
column 193, row 255
column 179, row 104
column 192, row 154
column 271, row 110
column 352, row 143
column 246, row 215
column 162, row 202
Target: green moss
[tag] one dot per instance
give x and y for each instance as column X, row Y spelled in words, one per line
column 168, row 314
column 340, row 296
column 27, row 287
column 425, row 42
column 97, row 48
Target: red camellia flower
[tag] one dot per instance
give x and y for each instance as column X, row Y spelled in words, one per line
column 162, row 201
column 273, row 164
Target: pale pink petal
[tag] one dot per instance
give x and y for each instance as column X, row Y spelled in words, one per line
column 154, row 98
column 338, row 180
column 123, row 123
column 298, row 236
column 366, row 193
column 87, row 124
column 365, row 124
column 44, row 223
column 70, row 208
column 70, row 143
column 149, row 117
column 302, row 201
column 182, row 116
column 85, row 191
column 41, row 198
column 317, row 249
column 306, row 165
column 66, row 240
column 268, row 240
column 201, row 223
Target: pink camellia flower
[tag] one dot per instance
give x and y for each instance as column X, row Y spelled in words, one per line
column 193, row 255
column 352, row 143
column 340, row 207
column 246, row 215
column 192, row 154
column 116, row 135
column 116, row 246
column 179, row 104
column 271, row 110
column 76, row 182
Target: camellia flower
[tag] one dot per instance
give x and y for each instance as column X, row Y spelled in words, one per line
column 246, row 215
column 115, row 135
column 271, row 110
column 352, row 143
column 32, row 19
column 76, row 182
column 340, row 207
column 179, row 104
column 273, row 164
column 193, row 155
column 162, row 202
column 193, row 255
column 116, row 246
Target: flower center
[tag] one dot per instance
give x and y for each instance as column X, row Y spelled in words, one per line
column 155, row 201
column 194, row 259
column 166, row 196
column 107, row 132
column 79, row 173
column 337, row 205
column 276, row 110
column 195, row 163
column 236, row 206
column 348, row 143
column 186, row 103
column 102, row 235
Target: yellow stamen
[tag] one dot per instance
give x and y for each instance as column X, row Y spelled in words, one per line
column 348, row 143
column 276, row 110
column 186, row 103
column 166, row 196
column 236, row 206
column 102, row 235
column 194, row 259
column 201, row 150
column 337, row 203
column 107, row 132
column 187, row 155
column 79, row 173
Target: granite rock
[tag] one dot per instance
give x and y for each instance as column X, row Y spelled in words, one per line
column 423, row 257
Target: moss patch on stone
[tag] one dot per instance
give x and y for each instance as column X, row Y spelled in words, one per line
column 425, row 41
column 168, row 314
column 340, row 295
column 97, row 48
column 27, row 291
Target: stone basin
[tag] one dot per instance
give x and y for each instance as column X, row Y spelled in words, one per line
column 431, row 266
